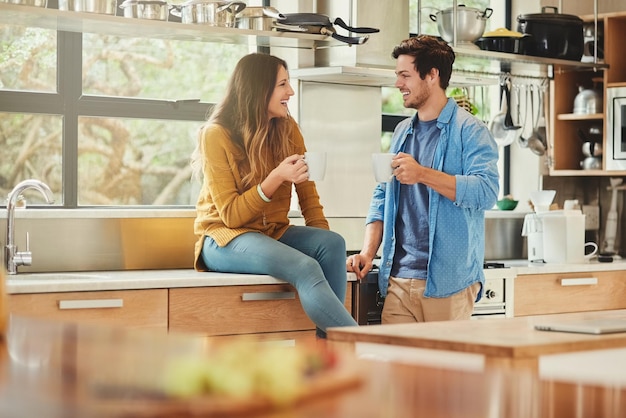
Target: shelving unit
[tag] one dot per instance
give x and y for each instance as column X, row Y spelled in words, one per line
column 62, row 20
column 565, row 146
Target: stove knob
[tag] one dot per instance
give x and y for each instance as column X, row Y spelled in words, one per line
column 490, row 294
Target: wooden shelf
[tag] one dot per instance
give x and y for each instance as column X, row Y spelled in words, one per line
column 576, row 116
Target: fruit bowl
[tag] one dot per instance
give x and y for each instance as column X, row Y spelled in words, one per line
column 506, row 204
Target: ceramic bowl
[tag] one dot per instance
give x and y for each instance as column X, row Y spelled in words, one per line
column 506, row 204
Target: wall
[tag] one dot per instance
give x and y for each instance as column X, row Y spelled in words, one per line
column 586, row 7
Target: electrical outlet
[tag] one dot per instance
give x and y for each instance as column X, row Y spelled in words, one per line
column 592, row 217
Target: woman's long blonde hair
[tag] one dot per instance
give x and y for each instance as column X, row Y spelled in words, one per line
column 243, row 112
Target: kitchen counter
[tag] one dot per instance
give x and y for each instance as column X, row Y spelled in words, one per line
column 153, row 279
column 128, row 279
column 524, row 267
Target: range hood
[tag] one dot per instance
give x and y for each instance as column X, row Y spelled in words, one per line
column 378, row 77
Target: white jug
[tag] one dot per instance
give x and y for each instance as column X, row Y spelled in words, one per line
column 564, row 237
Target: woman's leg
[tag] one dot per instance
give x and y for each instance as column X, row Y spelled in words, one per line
column 258, row 254
column 329, row 249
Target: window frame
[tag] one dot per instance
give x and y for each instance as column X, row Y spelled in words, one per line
column 69, row 102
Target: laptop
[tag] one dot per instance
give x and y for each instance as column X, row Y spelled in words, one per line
column 584, row 326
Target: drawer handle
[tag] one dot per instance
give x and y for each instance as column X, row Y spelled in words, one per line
column 583, row 281
column 268, row 296
column 91, row 303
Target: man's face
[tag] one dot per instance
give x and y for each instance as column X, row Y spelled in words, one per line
column 415, row 91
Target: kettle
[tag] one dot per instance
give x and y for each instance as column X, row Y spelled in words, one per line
column 587, row 101
column 592, row 149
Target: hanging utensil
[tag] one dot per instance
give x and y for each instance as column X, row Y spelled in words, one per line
column 497, row 123
column 504, row 136
column 536, row 143
column 518, row 105
column 508, row 118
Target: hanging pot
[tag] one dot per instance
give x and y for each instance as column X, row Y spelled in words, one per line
column 316, row 23
column 554, row 35
column 212, row 13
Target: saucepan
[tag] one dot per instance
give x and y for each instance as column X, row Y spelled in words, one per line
column 470, row 23
column 504, row 40
column 258, row 18
column 146, row 9
column 35, row 3
column 89, row 6
column 316, row 23
column 212, row 13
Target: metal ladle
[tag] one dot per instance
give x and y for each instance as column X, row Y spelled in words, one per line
column 536, row 143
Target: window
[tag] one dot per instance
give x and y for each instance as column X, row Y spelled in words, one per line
column 113, row 121
column 480, row 98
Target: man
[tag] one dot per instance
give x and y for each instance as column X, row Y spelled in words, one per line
column 430, row 217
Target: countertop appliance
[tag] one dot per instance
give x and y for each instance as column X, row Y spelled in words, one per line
column 564, row 236
column 368, row 304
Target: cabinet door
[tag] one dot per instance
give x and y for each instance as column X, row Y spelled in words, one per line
column 227, row 310
column 128, row 308
column 539, row 294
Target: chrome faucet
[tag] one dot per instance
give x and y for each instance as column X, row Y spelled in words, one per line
column 13, row 257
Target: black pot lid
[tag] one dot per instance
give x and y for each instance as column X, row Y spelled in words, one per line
column 554, row 17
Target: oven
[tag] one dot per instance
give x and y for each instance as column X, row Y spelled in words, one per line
column 615, row 152
column 368, row 304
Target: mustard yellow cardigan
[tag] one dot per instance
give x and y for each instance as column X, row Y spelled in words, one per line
column 225, row 209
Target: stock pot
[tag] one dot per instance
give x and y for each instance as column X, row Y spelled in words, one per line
column 553, row 35
column 258, row 18
column 213, row 13
column 146, row 9
column 35, row 3
column 89, row 6
column 470, row 23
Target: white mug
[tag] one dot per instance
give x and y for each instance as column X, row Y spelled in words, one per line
column 595, row 249
column 316, row 162
column 381, row 163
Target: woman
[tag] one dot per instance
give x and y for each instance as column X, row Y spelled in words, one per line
column 250, row 153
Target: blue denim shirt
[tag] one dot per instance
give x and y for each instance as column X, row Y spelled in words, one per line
column 467, row 150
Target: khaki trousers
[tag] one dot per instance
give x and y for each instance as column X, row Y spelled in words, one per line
column 405, row 302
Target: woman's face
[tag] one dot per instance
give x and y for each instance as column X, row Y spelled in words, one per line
column 277, row 107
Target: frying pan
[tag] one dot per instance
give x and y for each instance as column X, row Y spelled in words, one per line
column 316, row 23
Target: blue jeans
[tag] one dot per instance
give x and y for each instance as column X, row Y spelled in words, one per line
column 313, row 260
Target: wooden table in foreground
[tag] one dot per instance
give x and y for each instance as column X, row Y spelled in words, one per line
column 46, row 370
column 505, row 342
